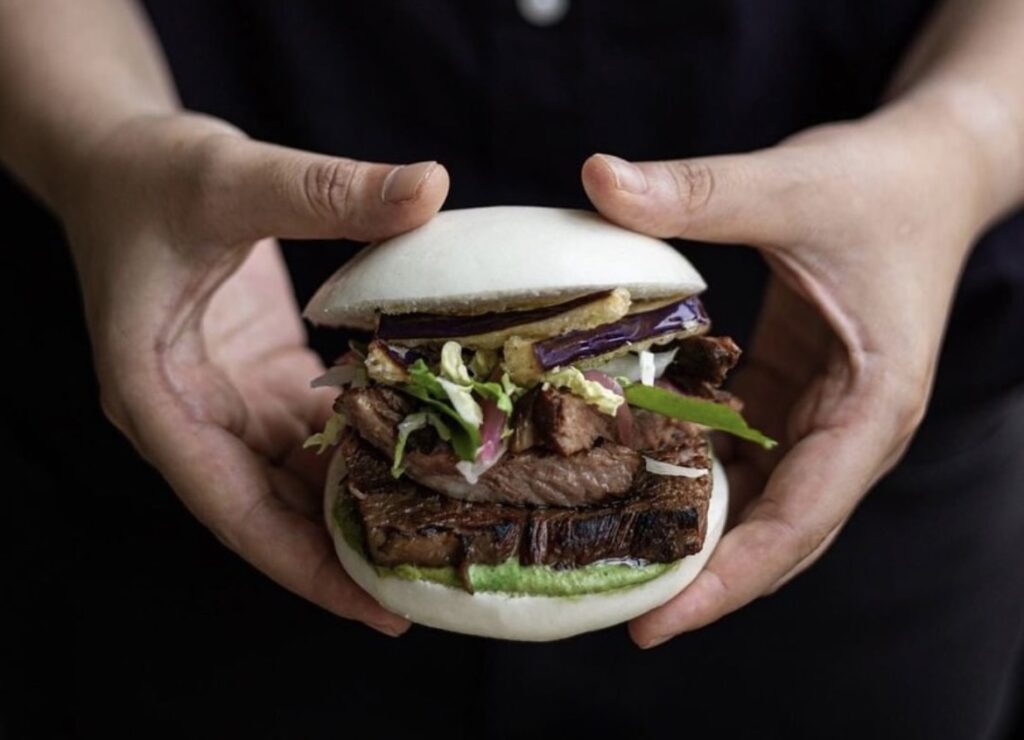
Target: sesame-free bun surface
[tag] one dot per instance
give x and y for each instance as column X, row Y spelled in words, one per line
column 520, row 617
column 497, row 258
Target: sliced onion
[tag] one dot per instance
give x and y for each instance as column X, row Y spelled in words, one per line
column 686, row 316
column 646, row 360
column 657, row 467
column 492, row 447
column 490, row 431
column 443, row 326
column 623, row 417
column 472, row 471
column 628, row 366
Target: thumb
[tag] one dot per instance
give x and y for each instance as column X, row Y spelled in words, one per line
column 729, row 199
column 258, row 190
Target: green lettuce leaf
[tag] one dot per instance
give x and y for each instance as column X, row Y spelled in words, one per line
column 606, row 400
column 496, row 393
column 452, row 366
column 698, row 410
column 425, row 386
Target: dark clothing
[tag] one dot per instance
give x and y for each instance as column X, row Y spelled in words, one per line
column 910, row 626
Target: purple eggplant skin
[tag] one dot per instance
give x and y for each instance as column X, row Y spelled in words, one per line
column 442, row 326
column 568, row 348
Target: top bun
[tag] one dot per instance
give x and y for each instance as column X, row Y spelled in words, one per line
column 494, row 259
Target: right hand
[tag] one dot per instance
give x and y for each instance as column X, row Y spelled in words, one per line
column 199, row 348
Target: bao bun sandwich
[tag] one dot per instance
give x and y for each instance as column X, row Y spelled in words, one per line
column 520, row 444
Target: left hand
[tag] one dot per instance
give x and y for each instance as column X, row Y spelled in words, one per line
column 865, row 226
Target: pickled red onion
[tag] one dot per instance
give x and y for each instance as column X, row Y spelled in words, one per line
column 623, row 417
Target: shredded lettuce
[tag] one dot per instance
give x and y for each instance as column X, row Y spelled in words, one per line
column 463, row 402
column 451, row 393
column 452, row 366
column 424, row 385
column 606, row 400
column 698, row 410
column 329, row 436
column 410, row 424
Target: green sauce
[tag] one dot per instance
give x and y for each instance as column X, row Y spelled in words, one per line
column 510, row 576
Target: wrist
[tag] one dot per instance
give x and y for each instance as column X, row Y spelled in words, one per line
column 981, row 131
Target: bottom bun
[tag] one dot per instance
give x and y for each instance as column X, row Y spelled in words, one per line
column 516, row 616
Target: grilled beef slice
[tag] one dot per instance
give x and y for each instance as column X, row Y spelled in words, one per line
column 662, row 520
column 536, row 477
column 375, row 413
column 559, row 421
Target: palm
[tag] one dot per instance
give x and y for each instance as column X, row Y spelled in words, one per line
column 781, row 370
column 241, row 373
column 257, row 353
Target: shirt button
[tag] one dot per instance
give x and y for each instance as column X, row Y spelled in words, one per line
column 543, row 12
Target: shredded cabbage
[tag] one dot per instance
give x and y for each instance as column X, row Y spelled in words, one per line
column 657, row 467
column 452, row 394
column 606, row 400
column 329, row 436
column 452, row 366
column 463, row 402
column 427, row 387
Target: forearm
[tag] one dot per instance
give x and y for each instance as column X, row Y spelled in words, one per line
column 967, row 68
column 70, row 72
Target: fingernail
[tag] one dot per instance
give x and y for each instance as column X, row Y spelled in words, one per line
column 628, row 176
column 654, row 642
column 391, row 630
column 404, row 182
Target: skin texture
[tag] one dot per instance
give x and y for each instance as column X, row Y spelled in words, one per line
column 201, row 355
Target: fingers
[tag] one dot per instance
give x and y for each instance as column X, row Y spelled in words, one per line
column 248, row 512
column 728, row 199
column 299, row 554
column 254, row 190
column 808, row 497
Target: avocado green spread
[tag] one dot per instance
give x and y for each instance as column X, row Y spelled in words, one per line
column 510, row 576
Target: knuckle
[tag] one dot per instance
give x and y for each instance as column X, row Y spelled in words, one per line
column 695, row 183
column 327, row 187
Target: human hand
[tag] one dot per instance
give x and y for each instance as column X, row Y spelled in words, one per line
column 865, row 226
column 199, row 348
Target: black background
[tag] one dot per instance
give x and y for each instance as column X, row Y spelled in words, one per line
column 129, row 619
